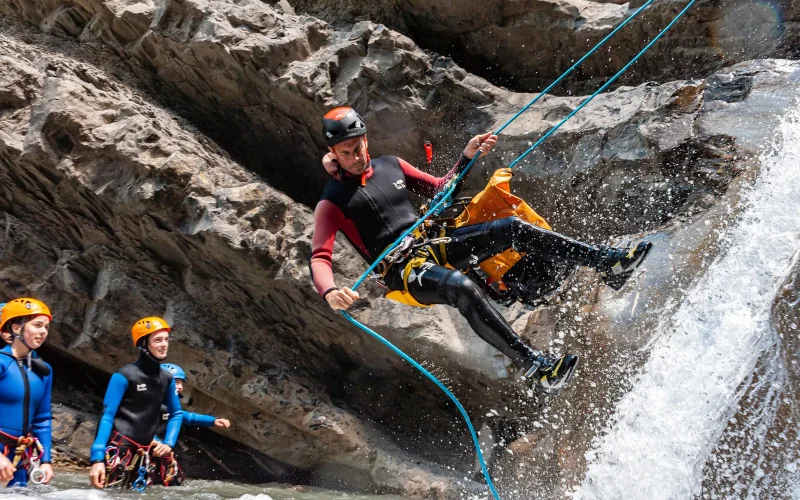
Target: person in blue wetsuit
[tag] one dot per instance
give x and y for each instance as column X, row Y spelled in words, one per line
column 26, row 381
column 189, row 418
column 132, row 410
column 169, row 471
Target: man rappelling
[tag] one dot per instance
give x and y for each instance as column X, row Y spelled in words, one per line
column 368, row 200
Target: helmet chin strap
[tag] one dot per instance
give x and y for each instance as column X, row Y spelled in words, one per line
column 21, row 337
column 142, row 346
column 342, row 172
column 21, row 334
column 149, row 354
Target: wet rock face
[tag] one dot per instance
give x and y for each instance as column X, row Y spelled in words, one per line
column 114, row 208
column 113, row 211
column 257, row 79
column 526, row 44
column 786, row 316
column 768, row 413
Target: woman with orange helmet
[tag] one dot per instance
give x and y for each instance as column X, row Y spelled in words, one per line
column 25, row 418
column 132, row 411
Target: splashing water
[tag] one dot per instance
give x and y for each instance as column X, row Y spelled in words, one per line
column 666, row 427
column 75, row 486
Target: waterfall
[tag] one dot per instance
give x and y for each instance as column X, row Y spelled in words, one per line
column 665, row 429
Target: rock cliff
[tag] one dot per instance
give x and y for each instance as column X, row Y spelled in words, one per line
column 161, row 158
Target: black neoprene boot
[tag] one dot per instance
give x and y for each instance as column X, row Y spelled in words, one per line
column 550, row 374
column 616, row 265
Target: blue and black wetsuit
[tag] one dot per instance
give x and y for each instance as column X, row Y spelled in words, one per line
column 170, row 472
column 132, row 405
column 189, row 418
column 25, row 406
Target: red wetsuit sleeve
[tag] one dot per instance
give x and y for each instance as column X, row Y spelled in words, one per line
column 328, row 219
column 425, row 184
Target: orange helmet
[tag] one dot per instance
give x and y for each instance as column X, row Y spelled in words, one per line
column 24, row 306
column 146, row 326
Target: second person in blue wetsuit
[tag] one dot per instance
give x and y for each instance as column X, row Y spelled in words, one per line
column 25, row 387
column 172, row 474
column 189, row 418
column 132, row 404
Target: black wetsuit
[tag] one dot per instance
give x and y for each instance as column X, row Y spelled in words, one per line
column 132, row 405
column 374, row 209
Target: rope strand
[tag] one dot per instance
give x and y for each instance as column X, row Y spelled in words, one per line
column 444, row 196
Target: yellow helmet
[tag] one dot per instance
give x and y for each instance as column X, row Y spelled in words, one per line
column 146, row 326
column 21, row 307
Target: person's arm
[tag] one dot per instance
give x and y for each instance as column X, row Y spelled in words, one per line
column 191, row 419
column 175, row 415
column 43, row 420
column 198, row 419
column 427, row 185
column 116, row 390
column 328, row 219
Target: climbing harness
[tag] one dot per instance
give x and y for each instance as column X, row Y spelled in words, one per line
column 171, row 472
column 168, row 472
column 442, row 199
column 127, row 463
column 27, row 454
column 412, row 253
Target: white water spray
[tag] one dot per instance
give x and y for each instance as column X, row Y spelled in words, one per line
column 665, row 429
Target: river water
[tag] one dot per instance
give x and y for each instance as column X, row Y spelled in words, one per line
column 74, row 486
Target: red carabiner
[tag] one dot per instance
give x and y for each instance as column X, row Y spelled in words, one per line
column 428, row 151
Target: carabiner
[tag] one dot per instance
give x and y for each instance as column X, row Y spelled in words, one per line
column 35, row 474
column 141, row 482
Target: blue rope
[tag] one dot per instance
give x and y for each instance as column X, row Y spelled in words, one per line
column 605, row 85
column 443, row 197
column 444, row 388
column 578, row 63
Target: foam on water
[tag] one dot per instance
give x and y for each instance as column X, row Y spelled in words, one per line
column 75, row 486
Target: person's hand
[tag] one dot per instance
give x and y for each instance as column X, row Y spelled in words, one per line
column 222, row 422
column 97, row 475
column 341, row 299
column 7, row 470
column 47, row 470
column 161, row 450
column 331, row 164
column 484, row 143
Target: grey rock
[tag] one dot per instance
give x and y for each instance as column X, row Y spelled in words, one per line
column 115, row 208
column 526, row 44
column 113, row 211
